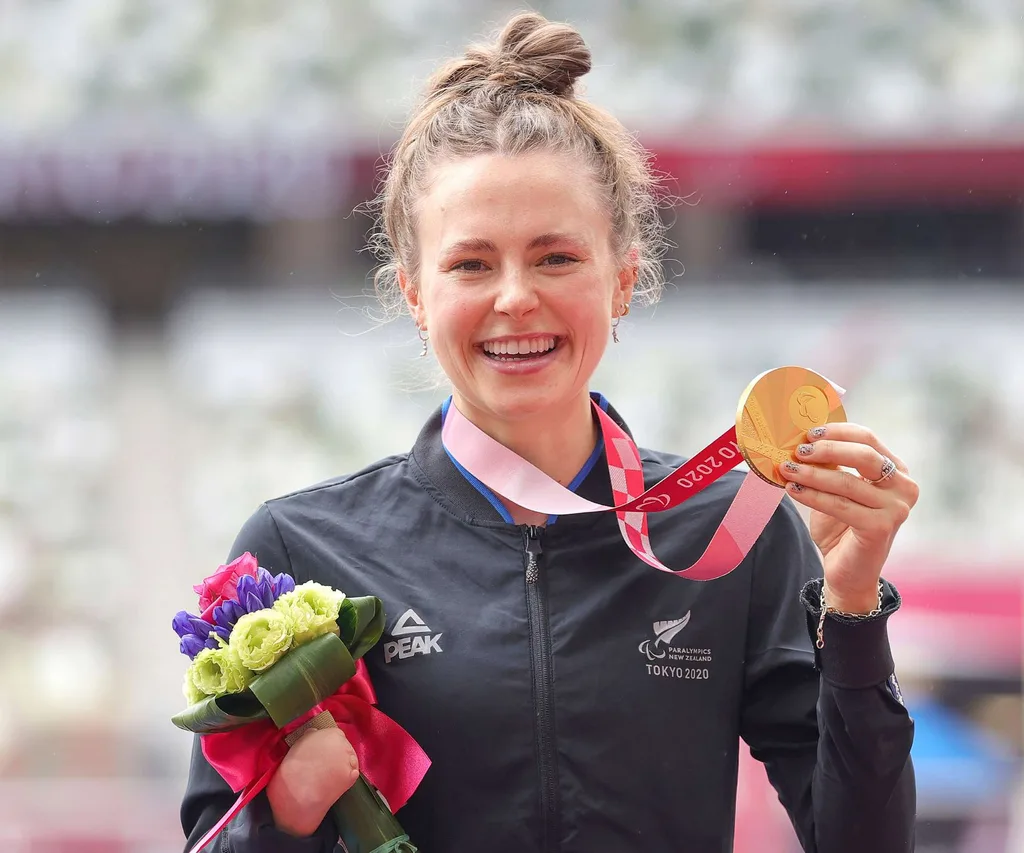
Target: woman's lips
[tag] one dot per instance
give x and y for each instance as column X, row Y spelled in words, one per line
column 524, row 363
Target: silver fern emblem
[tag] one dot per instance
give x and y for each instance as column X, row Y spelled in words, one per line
column 665, row 632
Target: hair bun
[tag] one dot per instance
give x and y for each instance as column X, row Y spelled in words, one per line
column 533, row 52
column 530, row 53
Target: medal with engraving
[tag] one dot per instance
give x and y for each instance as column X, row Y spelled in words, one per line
column 775, row 413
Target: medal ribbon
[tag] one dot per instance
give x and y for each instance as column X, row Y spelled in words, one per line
column 513, row 478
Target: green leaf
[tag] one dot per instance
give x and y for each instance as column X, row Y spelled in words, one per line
column 348, row 622
column 221, row 714
column 303, row 678
column 366, row 824
column 361, row 622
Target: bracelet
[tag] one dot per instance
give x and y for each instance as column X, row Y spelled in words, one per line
column 825, row 609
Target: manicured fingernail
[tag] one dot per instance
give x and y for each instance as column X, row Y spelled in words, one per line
column 805, row 450
column 795, row 487
column 792, row 467
column 817, row 432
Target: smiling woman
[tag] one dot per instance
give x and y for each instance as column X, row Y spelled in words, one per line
column 514, row 214
column 517, row 283
column 518, row 223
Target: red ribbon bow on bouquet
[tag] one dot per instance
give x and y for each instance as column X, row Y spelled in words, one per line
column 389, row 757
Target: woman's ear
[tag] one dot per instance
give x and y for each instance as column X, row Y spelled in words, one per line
column 627, row 277
column 412, row 297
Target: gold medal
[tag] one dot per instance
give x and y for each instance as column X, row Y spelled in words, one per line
column 776, row 411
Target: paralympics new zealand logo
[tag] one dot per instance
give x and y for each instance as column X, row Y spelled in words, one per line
column 662, row 653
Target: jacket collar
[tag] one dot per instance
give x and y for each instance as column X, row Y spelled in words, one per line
column 451, row 488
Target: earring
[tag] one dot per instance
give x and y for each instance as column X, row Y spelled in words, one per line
column 615, row 323
column 424, row 337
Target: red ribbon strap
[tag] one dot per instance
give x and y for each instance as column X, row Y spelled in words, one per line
column 389, row 757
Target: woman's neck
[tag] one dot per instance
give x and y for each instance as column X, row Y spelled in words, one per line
column 558, row 443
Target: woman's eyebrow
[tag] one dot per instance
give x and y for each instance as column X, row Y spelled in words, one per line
column 480, row 244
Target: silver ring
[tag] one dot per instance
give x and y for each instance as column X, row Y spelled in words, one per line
column 888, row 469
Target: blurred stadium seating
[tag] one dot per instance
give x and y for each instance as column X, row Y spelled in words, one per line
column 872, row 69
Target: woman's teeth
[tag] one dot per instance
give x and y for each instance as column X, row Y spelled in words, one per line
column 519, row 349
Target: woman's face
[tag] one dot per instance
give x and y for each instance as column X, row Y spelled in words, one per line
column 518, row 283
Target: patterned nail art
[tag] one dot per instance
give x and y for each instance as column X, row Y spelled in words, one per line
column 796, row 487
column 817, row 432
column 792, row 467
column 805, row 450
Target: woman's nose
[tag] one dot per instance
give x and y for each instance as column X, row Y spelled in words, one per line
column 516, row 294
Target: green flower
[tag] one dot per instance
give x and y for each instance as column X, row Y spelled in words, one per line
column 192, row 693
column 216, row 672
column 260, row 639
column 311, row 610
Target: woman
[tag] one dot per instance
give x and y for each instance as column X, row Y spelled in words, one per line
column 520, row 224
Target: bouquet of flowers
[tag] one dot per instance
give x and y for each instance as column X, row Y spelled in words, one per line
column 271, row 660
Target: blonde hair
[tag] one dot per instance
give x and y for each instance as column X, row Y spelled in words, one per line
column 515, row 96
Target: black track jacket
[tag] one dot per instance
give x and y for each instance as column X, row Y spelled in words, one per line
column 526, row 663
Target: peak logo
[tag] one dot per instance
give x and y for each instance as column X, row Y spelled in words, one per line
column 664, row 633
column 411, row 633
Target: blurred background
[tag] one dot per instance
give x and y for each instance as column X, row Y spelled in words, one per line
column 185, row 331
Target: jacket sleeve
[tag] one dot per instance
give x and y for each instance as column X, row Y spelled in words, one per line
column 207, row 796
column 830, row 725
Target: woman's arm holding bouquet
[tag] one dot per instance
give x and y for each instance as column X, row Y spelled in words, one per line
column 317, row 770
column 291, row 815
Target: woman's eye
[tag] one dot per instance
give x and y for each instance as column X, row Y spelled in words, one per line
column 558, row 260
column 469, row 266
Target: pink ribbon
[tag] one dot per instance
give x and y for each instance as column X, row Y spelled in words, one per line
column 389, row 757
column 513, row 478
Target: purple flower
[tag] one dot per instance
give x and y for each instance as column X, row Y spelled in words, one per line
column 227, row 614
column 266, row 592
column 196, row 634
column 182, row 623
column 248, row 597
column 283, row 583
column 245, row 585
column 191, row 645
column 255, row 594
column 201, row 627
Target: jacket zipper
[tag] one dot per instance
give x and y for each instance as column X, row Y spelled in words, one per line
column 540, row 653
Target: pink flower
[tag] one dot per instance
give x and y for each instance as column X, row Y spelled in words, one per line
column 222, row 585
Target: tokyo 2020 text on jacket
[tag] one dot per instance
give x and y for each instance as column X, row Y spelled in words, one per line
column 525, row 663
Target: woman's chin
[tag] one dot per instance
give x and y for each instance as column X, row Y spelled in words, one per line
column 513, row 405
